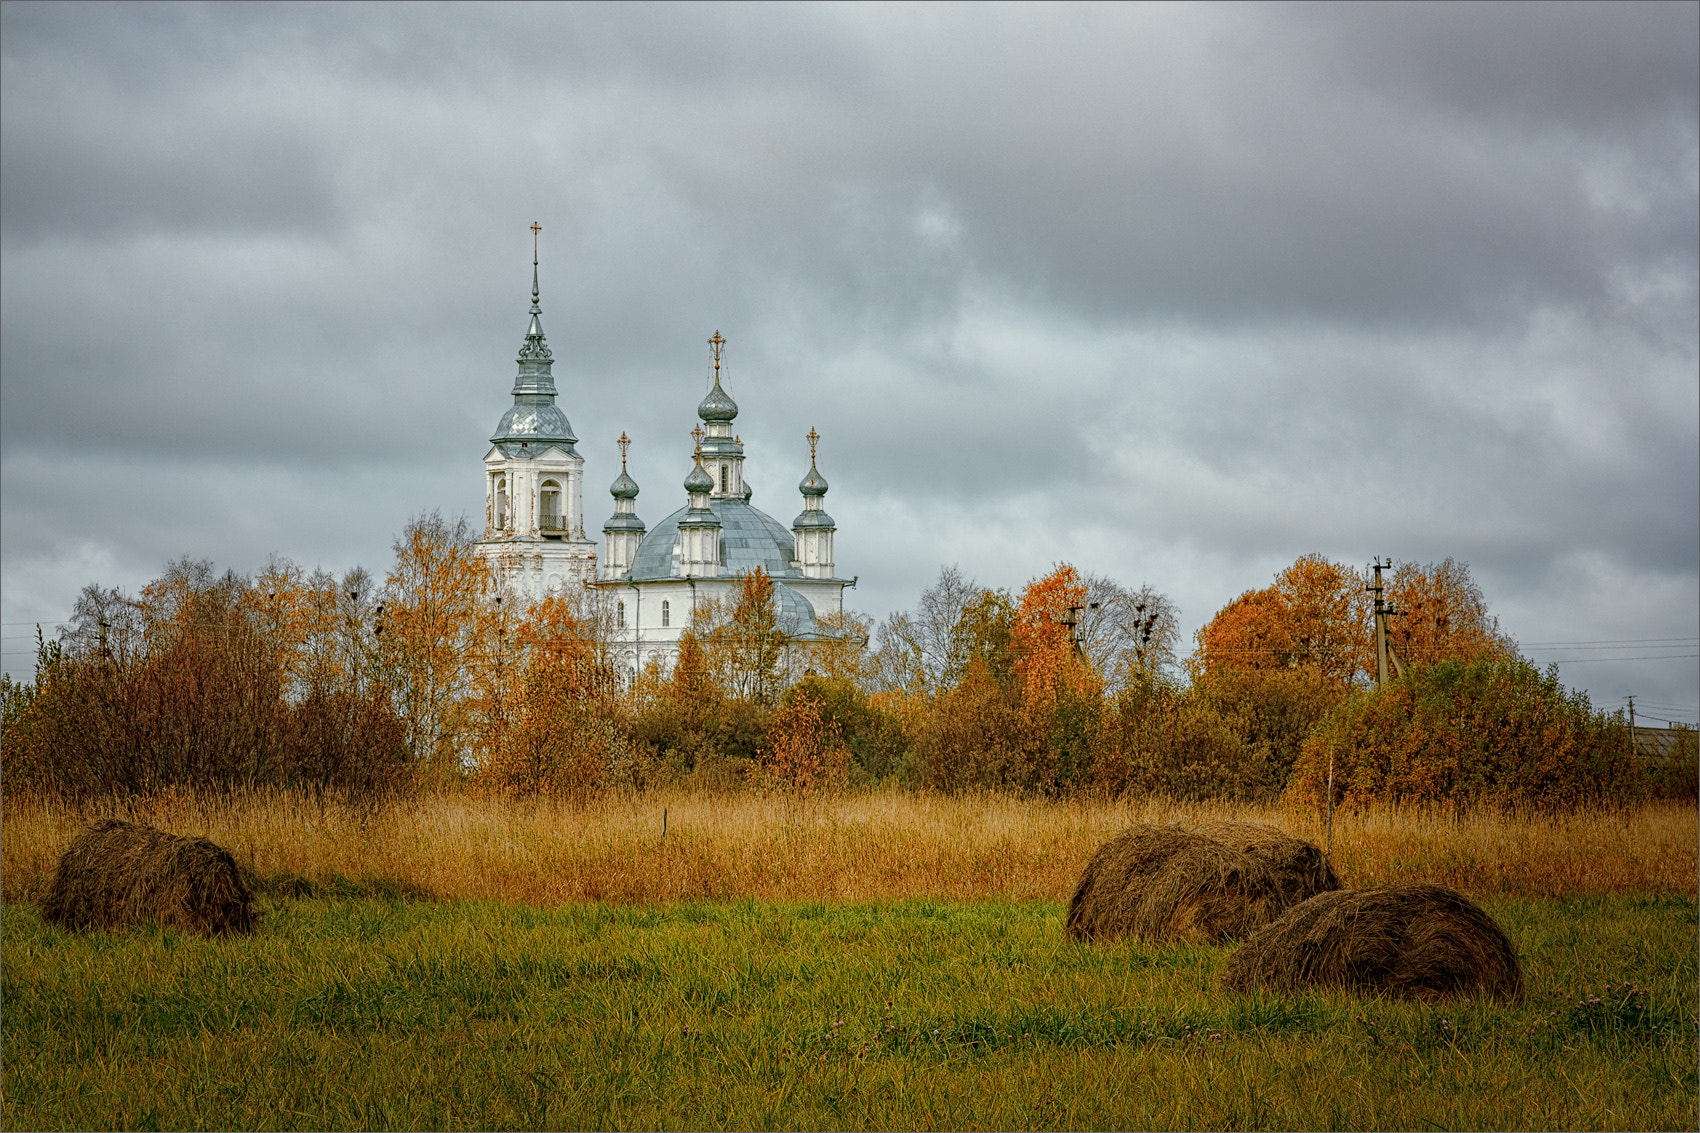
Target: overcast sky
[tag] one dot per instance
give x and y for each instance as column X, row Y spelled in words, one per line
column 1174, row 294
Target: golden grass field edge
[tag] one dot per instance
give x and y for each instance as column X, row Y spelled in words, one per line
column 854, row 847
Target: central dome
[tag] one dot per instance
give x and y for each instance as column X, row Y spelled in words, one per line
column 749, row 538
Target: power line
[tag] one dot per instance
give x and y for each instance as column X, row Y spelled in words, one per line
column 1591, row 660
column 1611, row 641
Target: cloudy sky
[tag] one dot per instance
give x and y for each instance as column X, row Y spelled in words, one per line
column 1175, row 294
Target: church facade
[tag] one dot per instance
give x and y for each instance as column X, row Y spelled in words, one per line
column 649, row 582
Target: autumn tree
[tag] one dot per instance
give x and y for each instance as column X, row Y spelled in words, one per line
column 554, row 701
column 1442, row 615
column 984, row 634
column 427, row 634
column 191, row 698
column 804, row 752
column 1314, row 617
column 1061, row 690
column 747, row 647
column 104, row 622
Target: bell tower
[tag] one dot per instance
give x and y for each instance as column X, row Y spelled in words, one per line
column 534, row 478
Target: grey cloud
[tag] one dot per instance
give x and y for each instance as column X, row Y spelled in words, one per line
column 1201, row 288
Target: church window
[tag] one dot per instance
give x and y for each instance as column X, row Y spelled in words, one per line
column 666, row 613
column 501, row 501
column 620, row 615
column 722, row 479
column 551, row 500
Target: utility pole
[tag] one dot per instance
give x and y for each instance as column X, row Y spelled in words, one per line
column 1383, row 611
column 1073, row 622
column 1633, row 753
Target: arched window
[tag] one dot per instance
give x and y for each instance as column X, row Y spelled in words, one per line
column 722, row 479
column 501, row 501
column 550, row 498
column 666, row 613
column 620, row 615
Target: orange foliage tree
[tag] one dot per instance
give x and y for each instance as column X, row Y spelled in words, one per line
column 1061, row 694
column 560, row 724
column 1313, row 617
column 1442, row 615
column 427, row 635
column 804, row 753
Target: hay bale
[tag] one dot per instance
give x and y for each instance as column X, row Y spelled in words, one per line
column 1422, row 942
column 1209, row 884
column 118, row 874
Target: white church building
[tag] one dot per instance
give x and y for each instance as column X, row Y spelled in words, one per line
column 650, row 581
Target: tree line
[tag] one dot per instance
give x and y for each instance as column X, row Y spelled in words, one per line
column 433, row 678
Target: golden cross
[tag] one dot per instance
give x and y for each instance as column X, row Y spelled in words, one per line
column 814, row 437
column 715, row 344
column 624, row 441
column 535, row 229
column 697, row 433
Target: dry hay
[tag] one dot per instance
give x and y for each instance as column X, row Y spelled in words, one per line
column 1413, row 941
column 117, row 874
column 1219, row 881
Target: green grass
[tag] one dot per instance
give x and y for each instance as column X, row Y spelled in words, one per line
column 349, row 1011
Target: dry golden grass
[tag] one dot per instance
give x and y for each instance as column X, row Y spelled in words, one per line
column 855, row 848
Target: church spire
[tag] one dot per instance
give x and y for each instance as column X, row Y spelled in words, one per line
column 535, row 418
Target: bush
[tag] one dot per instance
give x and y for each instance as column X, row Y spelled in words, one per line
column 197, row 703
column 1492, row 731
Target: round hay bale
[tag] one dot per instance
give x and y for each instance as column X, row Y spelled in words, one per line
column 1166, row 883
column 1422, row 942
column 117, row 874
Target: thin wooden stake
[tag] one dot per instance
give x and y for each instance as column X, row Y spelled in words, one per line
column 1328, row 854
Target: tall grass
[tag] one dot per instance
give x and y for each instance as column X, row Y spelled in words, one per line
column 857, row 847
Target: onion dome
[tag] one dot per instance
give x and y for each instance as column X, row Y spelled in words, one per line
column 718, row 405
column 699, row 482
column 625, row 488
column 814, row 484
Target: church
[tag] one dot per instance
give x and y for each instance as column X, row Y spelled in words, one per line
column 649, row 582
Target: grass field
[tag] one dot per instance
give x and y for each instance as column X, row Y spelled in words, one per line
column 875, row 962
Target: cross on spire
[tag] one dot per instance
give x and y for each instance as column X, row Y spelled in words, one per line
column 697, row 433
column 814, row 438
column 625, row 441
column 715, row 344
column 535, row 309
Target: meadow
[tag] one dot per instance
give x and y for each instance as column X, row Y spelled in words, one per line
column 880, row 960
